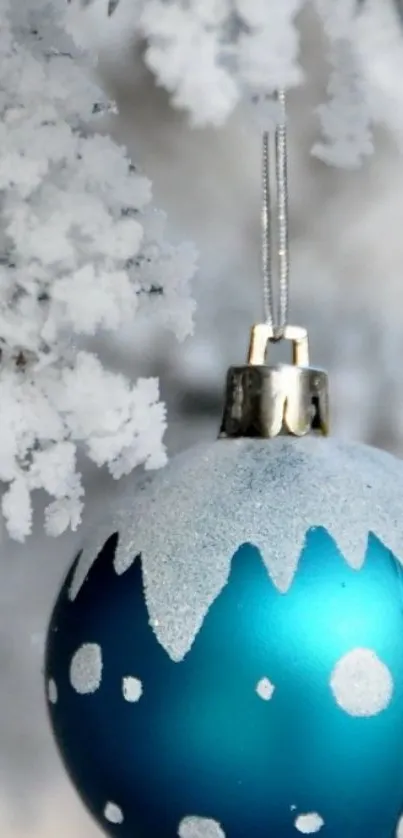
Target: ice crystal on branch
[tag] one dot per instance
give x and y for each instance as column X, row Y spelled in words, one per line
column 208, row 53
column 345, row 118
column 81, row 250
column 212, row 54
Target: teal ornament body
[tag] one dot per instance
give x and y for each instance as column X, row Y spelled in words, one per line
column 225, row 657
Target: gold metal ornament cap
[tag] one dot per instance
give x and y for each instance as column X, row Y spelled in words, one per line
column 266, row 401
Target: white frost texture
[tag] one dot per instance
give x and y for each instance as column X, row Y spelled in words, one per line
column 81, row 252
column 210, row 55
column 190, row 519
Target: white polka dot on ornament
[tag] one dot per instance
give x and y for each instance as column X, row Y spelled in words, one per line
column 309, row 823
column 113, row 813
column 132, row 688
column 361, row 683
column 86, row 668
column 194, row 827
column 265, row 689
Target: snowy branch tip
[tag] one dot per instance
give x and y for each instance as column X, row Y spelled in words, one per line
column 82, row 250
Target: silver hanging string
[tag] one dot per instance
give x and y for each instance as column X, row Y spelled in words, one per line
column 278, row 323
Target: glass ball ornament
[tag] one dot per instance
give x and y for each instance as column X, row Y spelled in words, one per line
column 225, row 657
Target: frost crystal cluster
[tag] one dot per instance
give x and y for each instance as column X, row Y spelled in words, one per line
column 212, row 54
column 81, row 252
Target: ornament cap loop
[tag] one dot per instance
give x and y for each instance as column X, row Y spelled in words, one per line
column 262, row 334
column 266, row 401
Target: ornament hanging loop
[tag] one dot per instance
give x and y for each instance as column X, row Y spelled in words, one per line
column 262, row 400
column 262, row 334
column 281, row 399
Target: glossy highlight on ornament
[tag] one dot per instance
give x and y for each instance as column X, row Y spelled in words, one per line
column 245, row 736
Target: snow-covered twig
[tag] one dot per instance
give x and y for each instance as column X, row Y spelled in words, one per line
column 210, row 55
column 81, row 250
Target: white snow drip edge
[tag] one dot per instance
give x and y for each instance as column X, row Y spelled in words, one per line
column 176, row 522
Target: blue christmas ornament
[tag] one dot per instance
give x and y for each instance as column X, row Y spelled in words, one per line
column 226, row 658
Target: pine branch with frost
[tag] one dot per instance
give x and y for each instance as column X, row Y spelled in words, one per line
column 268, row 45
column 345, row 118
column 210, row 55
column 184, row 46
column 81, row 251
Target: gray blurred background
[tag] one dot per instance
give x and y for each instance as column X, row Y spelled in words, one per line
column 347, row 263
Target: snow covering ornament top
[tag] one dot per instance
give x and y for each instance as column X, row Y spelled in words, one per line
column 225, row 657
